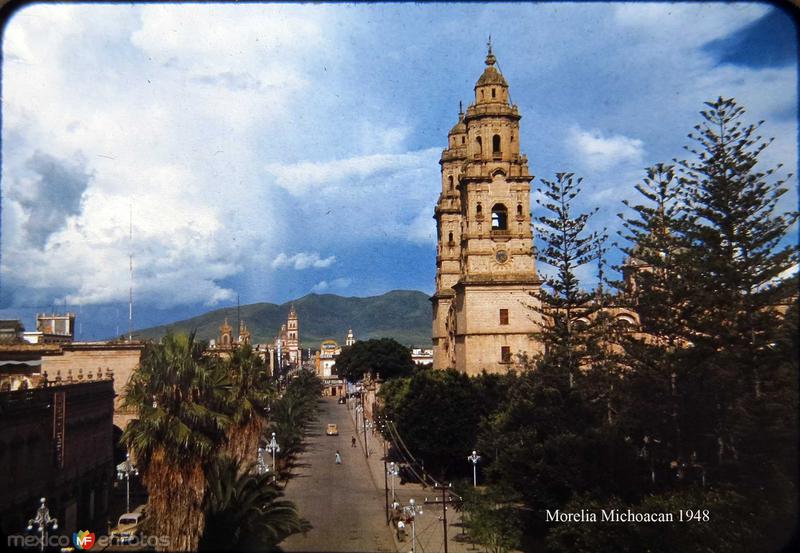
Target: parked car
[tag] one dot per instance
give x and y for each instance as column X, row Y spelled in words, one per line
column 341, row 400
column 128, row 527
column 332, row 430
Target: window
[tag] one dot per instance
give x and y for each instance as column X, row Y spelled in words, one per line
column 450, row 237
column 512, row 137
column 493, row 93
column 450, row 181
column 505, row 354
column 463, row 139
column 496, row 144
column 519, row 210
column 478, row 146
column 504, row 316
column 499, row 217
column 479, row 209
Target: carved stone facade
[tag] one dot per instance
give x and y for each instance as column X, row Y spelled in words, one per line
column 485, row 305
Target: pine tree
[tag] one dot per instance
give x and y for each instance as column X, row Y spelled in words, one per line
column 655, row 285
column 737, row 245
column 566, row 306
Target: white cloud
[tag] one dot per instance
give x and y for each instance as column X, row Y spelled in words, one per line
column 599, row 152
column 305, row 176
column 692, row 24
column 335, row 284
column 302, row 260
column 161, row 104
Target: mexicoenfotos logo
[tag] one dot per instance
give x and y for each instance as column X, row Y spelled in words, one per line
column 83, row 539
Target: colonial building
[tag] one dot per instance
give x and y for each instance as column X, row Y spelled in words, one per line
column 57, row 441
column 287, row 353
column 226, row 341
column 486, row 299
column 293, row 337
column 28, row 360
column 326, row 358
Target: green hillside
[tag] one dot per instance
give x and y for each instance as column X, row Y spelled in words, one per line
column 404, row 315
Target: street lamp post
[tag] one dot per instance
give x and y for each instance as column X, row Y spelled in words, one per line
column 413, row 510
column 42, row 520
column 273, row 448
column 125, row 472
column 367, row 426
column 393, row 471
column 474, row 458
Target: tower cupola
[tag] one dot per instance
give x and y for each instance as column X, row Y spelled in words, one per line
column 491, row 87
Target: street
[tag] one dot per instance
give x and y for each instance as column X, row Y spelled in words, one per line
column 343, row 502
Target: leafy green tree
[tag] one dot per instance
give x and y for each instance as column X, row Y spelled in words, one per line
column 176, row 435
column 438, row 421
column 383, row 356
column 730, row 527
column 244, row 511
column 491, row 521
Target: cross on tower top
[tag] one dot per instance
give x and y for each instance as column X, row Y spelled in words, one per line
column 490, row 59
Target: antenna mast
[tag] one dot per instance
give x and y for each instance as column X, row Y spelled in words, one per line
column 130, row 270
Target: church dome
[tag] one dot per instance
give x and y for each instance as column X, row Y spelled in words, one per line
column 491, row 75
column 460, row 127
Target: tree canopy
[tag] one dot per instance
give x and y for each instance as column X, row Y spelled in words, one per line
column 383, row 356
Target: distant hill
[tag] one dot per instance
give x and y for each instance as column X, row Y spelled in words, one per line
column 404, row 315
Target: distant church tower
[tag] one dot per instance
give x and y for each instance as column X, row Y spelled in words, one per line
column 350, row 339
column 293, row 337
column 486, row 281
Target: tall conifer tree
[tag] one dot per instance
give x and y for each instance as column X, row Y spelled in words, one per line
column 567, row 246
column 737, row 243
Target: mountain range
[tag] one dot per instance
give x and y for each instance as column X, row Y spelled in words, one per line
column 404, row 315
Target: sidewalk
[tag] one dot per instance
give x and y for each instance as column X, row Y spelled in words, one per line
column 429, row 528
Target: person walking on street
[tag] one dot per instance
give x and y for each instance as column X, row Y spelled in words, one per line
column 338, row 457
column 353, row 441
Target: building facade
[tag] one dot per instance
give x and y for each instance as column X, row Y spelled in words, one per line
column 56, row 441
column 485, row 308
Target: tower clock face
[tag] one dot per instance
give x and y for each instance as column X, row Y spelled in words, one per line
column 501, row 256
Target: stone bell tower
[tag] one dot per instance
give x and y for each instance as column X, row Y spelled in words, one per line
column 486, row 282
column 293, row 337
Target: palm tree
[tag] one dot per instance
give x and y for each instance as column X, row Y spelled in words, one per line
column 249, row 398
column 244, row 512
column 179, row 397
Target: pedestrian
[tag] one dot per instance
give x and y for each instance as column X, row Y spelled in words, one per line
column 338, row 457
column 353, row 441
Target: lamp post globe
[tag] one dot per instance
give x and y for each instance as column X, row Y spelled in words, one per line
column 43, row 520
column 474, row 458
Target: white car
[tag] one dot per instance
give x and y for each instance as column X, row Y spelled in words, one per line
column 127, row 528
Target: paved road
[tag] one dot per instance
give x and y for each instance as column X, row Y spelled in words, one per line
column 343, row 502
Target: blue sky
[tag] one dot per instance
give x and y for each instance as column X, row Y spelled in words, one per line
column 274, row 150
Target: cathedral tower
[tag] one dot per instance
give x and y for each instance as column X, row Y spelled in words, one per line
column 486, row 282
column 293, row 337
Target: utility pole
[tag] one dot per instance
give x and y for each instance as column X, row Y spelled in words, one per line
column 444, row 501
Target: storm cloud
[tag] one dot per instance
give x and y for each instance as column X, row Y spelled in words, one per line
column 52, row 196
